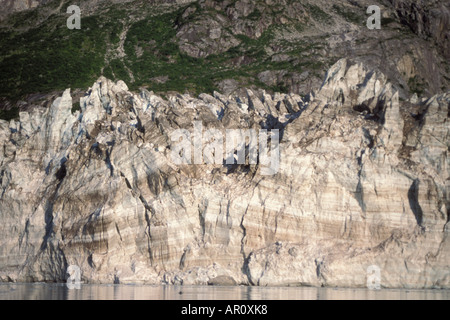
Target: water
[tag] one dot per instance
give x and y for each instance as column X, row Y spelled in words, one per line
column 43, row 291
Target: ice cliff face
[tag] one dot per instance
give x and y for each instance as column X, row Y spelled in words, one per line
column 363, row 180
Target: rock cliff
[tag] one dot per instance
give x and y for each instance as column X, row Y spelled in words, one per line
column 363, row 180
column 427, row 19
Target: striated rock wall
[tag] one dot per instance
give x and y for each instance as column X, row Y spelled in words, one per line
column 363, row 180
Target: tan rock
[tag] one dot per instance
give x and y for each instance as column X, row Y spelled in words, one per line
column 355, row 188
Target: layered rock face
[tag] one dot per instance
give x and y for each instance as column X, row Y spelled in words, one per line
column 362, row 180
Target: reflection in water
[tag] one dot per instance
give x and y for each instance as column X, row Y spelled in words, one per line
column 41, row 291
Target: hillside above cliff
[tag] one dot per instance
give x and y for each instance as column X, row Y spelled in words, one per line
column 202, row 46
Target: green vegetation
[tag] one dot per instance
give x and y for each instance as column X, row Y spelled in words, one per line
column 76, row 107
column 8, row 115
column 386, row 21
column 416, row 85
column 51, row 57
column 48, row 56
column 348, row 15
column 318, row 14
column 162, row 57
column 255, row 15
column 38, row 53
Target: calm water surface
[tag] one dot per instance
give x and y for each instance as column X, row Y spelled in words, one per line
column 43, row 291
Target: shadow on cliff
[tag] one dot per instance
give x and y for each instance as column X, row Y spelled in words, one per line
column 413, row 197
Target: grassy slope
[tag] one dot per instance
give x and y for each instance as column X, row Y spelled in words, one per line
column 38, row 53
column 50, row 56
